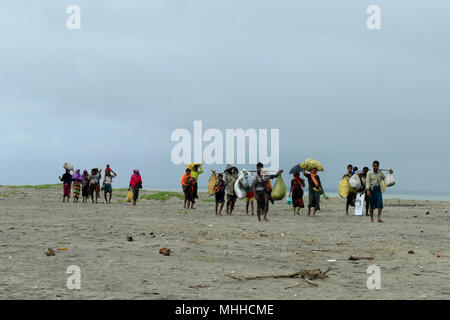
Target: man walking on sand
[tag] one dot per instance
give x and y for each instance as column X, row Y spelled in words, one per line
column 261, row 190
column 373, row 189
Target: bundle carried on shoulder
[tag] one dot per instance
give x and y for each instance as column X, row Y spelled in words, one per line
column 311, row 164
column 279, row 189
column 212, row 182
column 355, row 183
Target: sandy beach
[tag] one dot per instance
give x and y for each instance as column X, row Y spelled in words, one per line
column 205, row 249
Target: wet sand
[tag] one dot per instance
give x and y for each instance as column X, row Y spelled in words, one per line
column 205, row 248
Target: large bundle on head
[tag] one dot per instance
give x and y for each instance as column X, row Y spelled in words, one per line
column 192, row 164
column 311, row 164
column 67, row 166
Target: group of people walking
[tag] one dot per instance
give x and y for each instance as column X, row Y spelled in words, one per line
column 88, row 185
column 261, row 190
column 371, row 181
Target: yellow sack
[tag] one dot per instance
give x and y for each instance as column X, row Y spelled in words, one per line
column 344, row 188
column 129, row 196
column 383, row 186
column 279, row 189
column 310, row 164
column 192, row 164
column 212, row 183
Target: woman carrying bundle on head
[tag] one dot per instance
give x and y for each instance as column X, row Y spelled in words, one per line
column 314, row 186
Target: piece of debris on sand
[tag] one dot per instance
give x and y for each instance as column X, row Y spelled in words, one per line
column 307, row 275
column 164, row 251
column 50, row 252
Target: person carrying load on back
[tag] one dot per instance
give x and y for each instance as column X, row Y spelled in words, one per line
column 314, row 187
column 67, row 183
column 195, row 173
column 363, row 176
column 352, row 194
column 135, row 184
column 230, row 180
column 373, row 189
column 187, row 182
column 219, row 189
column 262, row 191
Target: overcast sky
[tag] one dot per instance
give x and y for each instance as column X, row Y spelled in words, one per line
column 114, row 91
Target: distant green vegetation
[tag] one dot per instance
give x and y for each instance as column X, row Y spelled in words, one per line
column 207, row 200
column 120, row 195
column 163, row 195
column 4, row 195
column 36, row 187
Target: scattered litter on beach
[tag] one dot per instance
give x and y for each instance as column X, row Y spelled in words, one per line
column 164, row 251
column 50, row 252
column 411, row 251
column 129, row 238
column 355, row 258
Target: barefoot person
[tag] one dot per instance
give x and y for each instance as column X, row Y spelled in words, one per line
column 363, row 176
column 314, row 187
column 76, row 178
column 195, row 173
column 135, row 184
column 297, row 185
column 94, row 185
column 249, row 197
column 67, row 183
column 230, row 180
column 219, row 189
column 262, row 191
column 187, row 182
column 85, row 185
column 373, row 189
column 107, row 183
column 352, row 194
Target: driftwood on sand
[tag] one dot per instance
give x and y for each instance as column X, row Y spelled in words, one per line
column 355, row 258
column 307, row 275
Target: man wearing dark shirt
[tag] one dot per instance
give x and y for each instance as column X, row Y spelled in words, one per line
column 314, row 187
column 67, row 182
